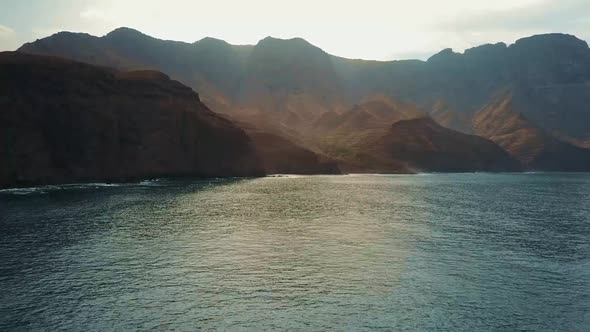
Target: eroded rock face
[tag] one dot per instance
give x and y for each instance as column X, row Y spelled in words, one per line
column 535, row 148
column 63, row 121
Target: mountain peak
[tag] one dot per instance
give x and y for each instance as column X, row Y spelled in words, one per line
column 292, row 42
column 70, row 33
column 422, row 120
column 288, row 48
column 125, row 32
column 443, row 55
column 211, row 41
column 551, row 40
column 487, row 50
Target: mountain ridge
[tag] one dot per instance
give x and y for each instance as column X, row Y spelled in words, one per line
column 572, row 39
column 292, row 88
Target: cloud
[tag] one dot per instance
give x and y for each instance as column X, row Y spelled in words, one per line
column 8, row 40
column 475, row 27
column 94, row 14
column 5, row 31
column 371, row 29
column 571, row 16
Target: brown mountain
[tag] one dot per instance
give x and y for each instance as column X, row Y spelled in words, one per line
column 374, row 112
column 64, row 121
column 533, row 147
column 423, row 145
column 337, row 134
column 358, row 138
column 295, row 90
column 548, row 74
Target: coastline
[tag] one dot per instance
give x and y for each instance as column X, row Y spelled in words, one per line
column 158, row 181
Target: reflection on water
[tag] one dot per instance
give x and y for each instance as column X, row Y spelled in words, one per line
column 459, row 252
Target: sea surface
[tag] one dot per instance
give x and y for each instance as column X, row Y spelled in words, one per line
column 460, row 252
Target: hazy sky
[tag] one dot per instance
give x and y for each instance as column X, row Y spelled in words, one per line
column 368, row 29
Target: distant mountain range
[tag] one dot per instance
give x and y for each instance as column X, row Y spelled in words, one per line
column 530, row 99
column 548, row 75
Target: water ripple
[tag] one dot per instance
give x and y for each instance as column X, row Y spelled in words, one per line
column 363, row 252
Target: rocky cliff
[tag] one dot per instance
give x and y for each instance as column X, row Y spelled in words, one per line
column 63, row 121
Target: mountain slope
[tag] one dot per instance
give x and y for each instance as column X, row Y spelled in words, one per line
column 64, row 121
column 209, row 66
column 443, row 114
column 534, row 147
column 423, row 145
column 281, row 156
column 373, row 112
column 289, row 76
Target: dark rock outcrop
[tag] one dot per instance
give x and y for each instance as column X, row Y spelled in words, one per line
column 63, row 121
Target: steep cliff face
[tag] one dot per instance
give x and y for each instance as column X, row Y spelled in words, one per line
column 548, row 76
column 63, row 121
column 533, row 147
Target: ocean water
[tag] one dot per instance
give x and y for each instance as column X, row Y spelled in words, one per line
column 461, row 252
